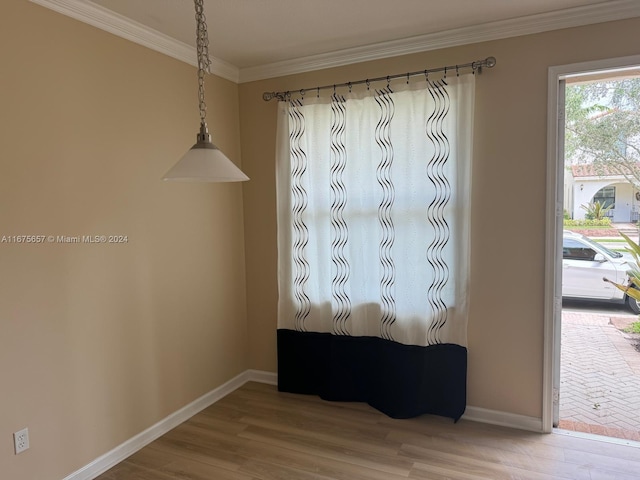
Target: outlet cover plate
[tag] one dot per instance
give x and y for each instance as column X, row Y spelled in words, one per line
column 21, row 440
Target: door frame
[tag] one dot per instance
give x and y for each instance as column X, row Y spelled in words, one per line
column 553, row 224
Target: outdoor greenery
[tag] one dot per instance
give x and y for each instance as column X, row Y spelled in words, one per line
column 633, row 288
column 595, row 211
column 633, row 328
column 603, row 127
column 604, row 222
column 610, row 240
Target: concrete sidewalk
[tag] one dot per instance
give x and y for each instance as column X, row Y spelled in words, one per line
column 599, row 379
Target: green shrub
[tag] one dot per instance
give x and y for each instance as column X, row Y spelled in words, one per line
column 604, row 222
column 632, row 288
column 596, row 210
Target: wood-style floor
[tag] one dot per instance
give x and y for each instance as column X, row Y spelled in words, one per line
column 258, row 433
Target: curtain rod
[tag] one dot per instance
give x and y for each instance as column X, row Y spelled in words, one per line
column 476, row 66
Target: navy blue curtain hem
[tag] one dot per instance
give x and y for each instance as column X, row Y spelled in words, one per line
column 401, row 381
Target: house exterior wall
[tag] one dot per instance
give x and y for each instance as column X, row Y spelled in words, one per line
column 508, row 200
column 569, row 194
column 625, row 203
column 584, row 189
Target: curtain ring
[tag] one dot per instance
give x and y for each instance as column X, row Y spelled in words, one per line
column 368, row 84
column 350, row 86
column 318, row 93
column 457, row 71
column 407, row 78
column 445, row 72
column 302, row 92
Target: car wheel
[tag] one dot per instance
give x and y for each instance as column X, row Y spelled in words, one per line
column 634, row 305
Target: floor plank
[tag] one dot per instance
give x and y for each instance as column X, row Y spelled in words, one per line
column 258, row 433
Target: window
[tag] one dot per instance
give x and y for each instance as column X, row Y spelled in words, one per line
column 576, row 250
column 606, row 196
column 373, row 218
column 373, row 195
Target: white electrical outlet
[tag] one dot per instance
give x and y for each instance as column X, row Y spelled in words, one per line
column 21, row 440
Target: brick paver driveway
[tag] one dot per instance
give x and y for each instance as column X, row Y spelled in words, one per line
column 599, row 378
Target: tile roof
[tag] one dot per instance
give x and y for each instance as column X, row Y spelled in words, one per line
column 589, row 170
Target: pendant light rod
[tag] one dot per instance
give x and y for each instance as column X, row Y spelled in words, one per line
column 476, row 66
column 204, row 62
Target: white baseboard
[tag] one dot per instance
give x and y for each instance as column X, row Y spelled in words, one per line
column 128, row 448
column 504, row 419
column 260, row 376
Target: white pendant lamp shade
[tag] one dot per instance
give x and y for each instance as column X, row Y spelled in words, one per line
column 204, row 162
column 205, row 165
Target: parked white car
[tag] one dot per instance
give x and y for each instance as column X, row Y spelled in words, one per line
column 585, row 263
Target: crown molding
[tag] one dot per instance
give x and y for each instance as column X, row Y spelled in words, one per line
column 124, row 27
column 571, row 17
column 128, row 29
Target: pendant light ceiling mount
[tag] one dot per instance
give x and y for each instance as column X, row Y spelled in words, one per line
column 204, row 162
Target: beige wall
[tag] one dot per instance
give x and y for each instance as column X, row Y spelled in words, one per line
column 507, row 210
column 99, row 342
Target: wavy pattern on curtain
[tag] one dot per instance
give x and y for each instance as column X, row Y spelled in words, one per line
column 299, row 194
column 339, row 228
column 436, row 210
column 373, row 195
column 387, row 281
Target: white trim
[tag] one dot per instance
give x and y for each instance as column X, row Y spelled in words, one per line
column 598, row 438
column 554, row 202
column 504, row 419
column 571, row 17
column 260, row 376
column 552, row 283
column 128, row 448
column 124, row 27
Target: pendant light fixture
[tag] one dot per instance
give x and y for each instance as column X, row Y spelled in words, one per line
column 204, row 162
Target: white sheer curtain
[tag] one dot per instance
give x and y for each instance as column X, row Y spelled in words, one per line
column 373, row 195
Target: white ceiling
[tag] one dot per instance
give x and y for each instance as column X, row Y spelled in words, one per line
column 261, row 38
